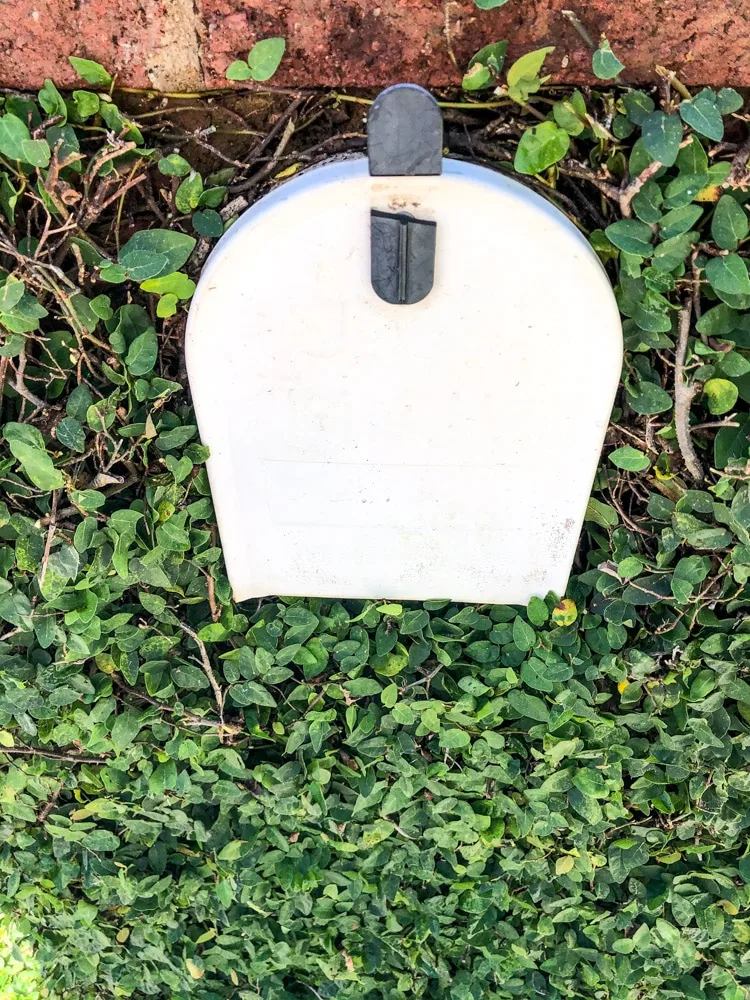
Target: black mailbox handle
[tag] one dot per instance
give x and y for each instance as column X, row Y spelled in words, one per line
column 405, row 133
column 404, row 139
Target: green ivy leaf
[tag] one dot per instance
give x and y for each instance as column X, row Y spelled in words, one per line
column 90, row 71
column 251, row 693
column 177, row 284
column 728, row 275
column 523, row 76
column 629, row 459
column 52, row 101
column 728, row 100
column 540, row 147
column 142, row 353
column 152, row 253
column 624, row 856
column 631, row 236
column 721, row 395
column 16, row 143
column 605, row 63
column 729, row 225
column 27, row 446
column 174, row 165
column 702, row 114
column 454, row 739
column 528, row 705
column 238, row 71
column 570, row 114
column 264, row 58
column 188, row 194
column 208, row 223
column 647, row 398
column 662, row 135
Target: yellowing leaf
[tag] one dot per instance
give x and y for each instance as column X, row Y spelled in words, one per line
column 373, row 834
column 79, row 814
column 622, row 685
column 728, row 907
column 287, row 172
column 122, row 935
column 564, row 864
column 6, row 738
column 712, row 192
column 196, row 972
column 565, row 613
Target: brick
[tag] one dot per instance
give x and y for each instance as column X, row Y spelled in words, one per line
column 187, row 44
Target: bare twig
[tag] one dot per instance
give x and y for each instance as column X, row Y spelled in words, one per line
column 671, row 78
column 207, row 669
column 279, row 126
column 574, row 20
column 211, row 590
column 422, row 680
column 683, row 397
column 3, row 371
column 268, row 169
column 612, row 571
column 581, row 172
column 50, row 804
column 629, row 191
column 738, row 176
column 447, row 31
column 19, row 385
column 188, row 718
column 711, row 424
column 69, row 757
column 50, row 536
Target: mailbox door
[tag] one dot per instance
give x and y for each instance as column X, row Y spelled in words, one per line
column 441, row 449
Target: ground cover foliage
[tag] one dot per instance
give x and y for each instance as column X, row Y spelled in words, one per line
column 362, row 799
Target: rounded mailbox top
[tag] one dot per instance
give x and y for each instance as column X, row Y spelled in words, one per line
column 361, row 448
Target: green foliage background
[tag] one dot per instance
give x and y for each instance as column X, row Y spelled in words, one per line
column 357, row 799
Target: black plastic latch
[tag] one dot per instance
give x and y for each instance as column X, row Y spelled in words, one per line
column 404, row 139
column 405, row 133
column 402, row 257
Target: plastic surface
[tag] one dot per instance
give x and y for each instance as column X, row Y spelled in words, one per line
column 439, row 450
column 405, row 132
column 402, row 257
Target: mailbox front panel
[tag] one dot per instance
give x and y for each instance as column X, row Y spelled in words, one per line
column 440, row 449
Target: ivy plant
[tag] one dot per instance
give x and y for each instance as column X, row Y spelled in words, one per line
column 368, row 799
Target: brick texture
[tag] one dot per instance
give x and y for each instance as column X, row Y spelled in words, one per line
column 187, row 44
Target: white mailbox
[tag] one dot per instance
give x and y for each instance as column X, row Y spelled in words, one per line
column 403, row 366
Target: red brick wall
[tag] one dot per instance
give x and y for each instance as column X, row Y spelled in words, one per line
column 187, row 44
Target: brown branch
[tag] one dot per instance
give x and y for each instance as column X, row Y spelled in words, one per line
column 574, row 20
column 19, row 386
column 3, row 370
column 71, row 758
column 711, row 424
column 738, row 176
column 629, row 191
column 268, row 169
column 50, row 804
column 120, row 192
column 447, row 31
column 208, row 671
column 211, row 590
column 672, row 79
column 683, row 397
column 611, row 571
column 581, row 172
column 189, row 718
column 50, row 536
